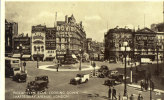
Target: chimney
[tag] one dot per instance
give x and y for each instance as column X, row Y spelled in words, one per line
column 66, row 19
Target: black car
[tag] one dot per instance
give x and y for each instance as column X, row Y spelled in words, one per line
column 118, row 77
column 20, row 77
column 110, row 82
column 103, row 71
column 35, row 86
column 43, row 77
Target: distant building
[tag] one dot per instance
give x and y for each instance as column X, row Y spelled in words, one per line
column 158, row 27
column 95, row 49
column 25, row 50
column 11, row 30
column 114, row 41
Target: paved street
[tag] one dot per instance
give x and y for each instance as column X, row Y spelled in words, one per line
column 59, row 86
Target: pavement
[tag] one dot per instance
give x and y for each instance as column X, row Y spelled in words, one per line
column 139, row 87
column 46, row 67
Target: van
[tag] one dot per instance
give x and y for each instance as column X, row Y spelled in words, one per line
column 12, row 66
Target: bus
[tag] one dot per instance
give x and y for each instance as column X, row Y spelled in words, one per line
column 12, row 66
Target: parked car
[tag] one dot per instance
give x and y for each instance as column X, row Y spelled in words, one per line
column 20, row 77
column 103, row 71
column 80, row 78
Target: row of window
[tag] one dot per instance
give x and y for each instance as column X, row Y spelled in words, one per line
column 39, row 48
column 51, row 51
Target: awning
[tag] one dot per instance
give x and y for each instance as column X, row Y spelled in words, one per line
column 26, row 56
column 73, row 56
column 38, row 55
column 16, row 55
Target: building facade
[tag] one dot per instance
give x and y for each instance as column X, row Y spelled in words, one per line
column 145, row 44
column 22, row 47
column 70, row 37
column 38, row 42
column 50, row 44
column 11, row 30
column 114, row 41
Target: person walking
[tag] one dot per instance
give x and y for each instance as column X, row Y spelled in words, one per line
column 109, row 92
column 146, row 86
column 114, row 93
column 152, row 85
column 131, row 97
column 140, row 97
column 141, row 84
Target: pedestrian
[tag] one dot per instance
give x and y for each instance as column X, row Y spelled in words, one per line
column 131, row 97
column 109, row 92
column 141, row 84
column 152, row 85
column 146, row 86
column 140, row 97
column 119, row 96
column 114, row 93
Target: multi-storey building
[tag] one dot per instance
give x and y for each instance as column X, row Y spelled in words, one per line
column 38, row 42
column 114, row 41
column 145, row 43
column 11, row 30
column 50, row 43
column 159, row 29
column 70, row 37
column 22, row 47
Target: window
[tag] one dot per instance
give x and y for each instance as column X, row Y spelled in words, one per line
column 34, row 48
column 38, row 48
column 42, row 48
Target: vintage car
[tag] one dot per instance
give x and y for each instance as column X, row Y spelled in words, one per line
column 80, row 78
column 113, row 72
column 110, row 82
column 103, row 71
column 35, row 86
column 44, row 78
column 20, row 77
column 118, row 77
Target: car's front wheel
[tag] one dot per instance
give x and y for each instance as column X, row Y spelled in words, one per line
column 86, row 80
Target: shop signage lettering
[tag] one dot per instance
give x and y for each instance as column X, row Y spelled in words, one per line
column 65, row 28
column 144, row 38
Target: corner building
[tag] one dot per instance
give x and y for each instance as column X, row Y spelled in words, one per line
column 70, row 37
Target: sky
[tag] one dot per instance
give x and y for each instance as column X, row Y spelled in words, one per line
column 97, row 16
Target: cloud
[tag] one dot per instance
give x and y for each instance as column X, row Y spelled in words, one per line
column 96, row 17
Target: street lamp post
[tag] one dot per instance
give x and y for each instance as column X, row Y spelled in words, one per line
column 157, row 70
column 80, row 59
column 37, row 59
column 131, row 74
column 20, row 51
column 125, row 48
